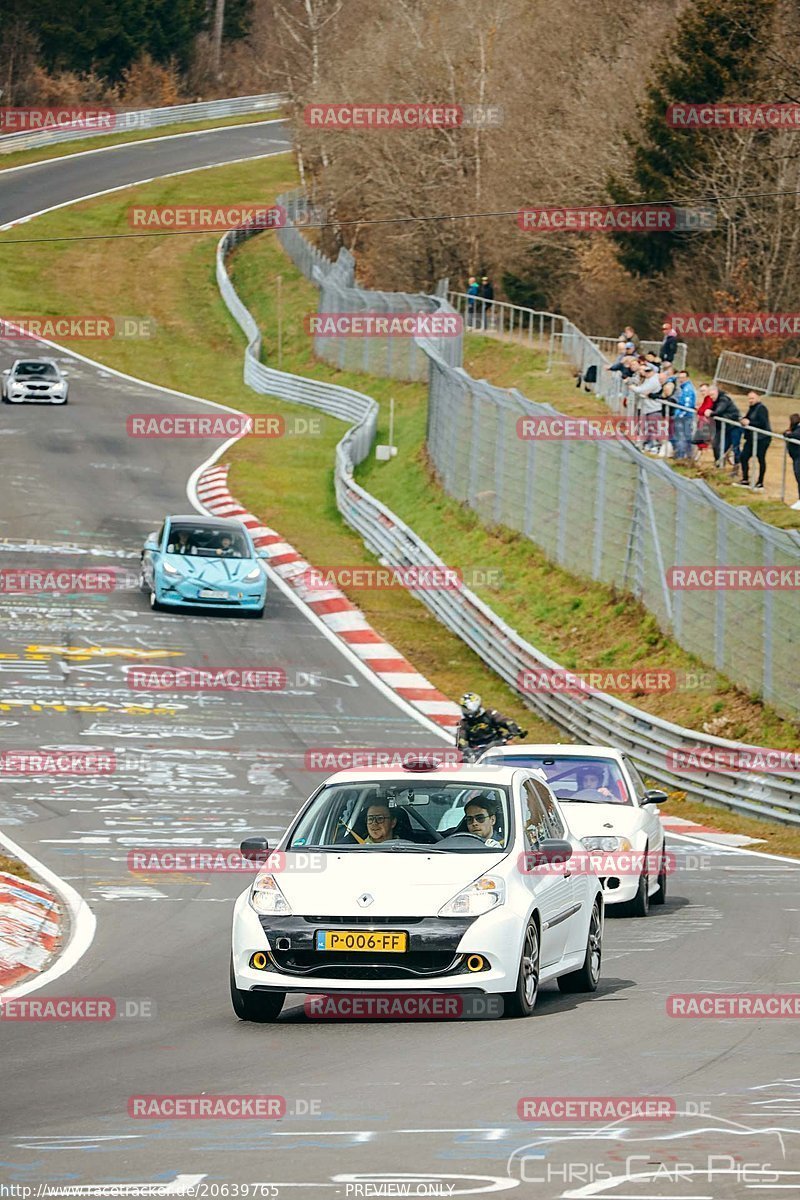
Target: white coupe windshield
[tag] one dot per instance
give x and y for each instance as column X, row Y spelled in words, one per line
column 590, row 780
column 406, row 815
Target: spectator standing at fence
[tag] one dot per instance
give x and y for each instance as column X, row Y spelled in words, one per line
column 669, row 344
column 629, row 335
column 472, row 292
column 683, row 415
column 725, row 436
column 793, row 447
column 486, row 294
column 704, row 429
column 648, row 393
column 756, row 418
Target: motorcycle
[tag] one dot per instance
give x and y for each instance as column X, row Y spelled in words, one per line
column 471, row 754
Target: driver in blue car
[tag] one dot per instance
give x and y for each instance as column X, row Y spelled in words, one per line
column 480, row 815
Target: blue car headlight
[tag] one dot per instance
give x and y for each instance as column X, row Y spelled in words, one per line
column 254, row 575
column 170, row 570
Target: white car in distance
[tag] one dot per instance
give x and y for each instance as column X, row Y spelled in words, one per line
column 404, row 902
column 606, row 804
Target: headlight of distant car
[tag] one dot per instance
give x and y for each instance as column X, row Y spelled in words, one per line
column 170, row 570
column 267, row 897
column 606, row 843
column 482, row 895
column 253, row 575
column 59, row 389
column 17, row 389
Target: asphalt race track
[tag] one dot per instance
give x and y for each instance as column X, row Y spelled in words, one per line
column 371, row 1104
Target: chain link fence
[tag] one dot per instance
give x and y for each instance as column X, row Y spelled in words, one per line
column 651, row 740
column 140, row 120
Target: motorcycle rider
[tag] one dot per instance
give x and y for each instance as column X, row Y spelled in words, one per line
column 481, row 727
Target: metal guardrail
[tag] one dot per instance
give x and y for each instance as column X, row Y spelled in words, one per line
column 592, row 718
column 758, row 374
column 141, row 119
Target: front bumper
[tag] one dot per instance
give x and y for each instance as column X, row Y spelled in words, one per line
column 436, row 959
column 619, row 889
column 34, row 396
column 185, row 594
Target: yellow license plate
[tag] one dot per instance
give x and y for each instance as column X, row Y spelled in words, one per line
column 367, row 941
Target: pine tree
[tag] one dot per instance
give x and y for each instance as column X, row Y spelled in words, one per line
column 715, row 57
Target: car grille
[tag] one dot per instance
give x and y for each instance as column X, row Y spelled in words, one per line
column 346, row 922
column 343, row 965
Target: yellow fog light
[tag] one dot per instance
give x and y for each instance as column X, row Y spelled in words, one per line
column 259, row 960
column 475, row 963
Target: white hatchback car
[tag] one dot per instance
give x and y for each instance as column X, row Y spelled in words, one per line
column 606, row 804
column 402, row 902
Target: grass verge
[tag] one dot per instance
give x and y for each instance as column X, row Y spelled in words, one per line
column 13, row 866
column 289, row 482
column 21, row 158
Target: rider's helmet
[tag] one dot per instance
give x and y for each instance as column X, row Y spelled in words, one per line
column 471, row 704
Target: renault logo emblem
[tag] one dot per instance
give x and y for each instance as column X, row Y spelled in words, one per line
column 364, row 900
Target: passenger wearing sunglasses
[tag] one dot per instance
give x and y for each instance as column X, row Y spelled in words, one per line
column 480, row 817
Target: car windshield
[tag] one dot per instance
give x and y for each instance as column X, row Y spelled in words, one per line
column 405, row 816
column 596, row 780
column 36, row 370
column 207, row 541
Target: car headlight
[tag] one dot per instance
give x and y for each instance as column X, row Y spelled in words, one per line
column 606, row 843
column 267, row 897
column 169, row 569
column 484, row 894
column 253, row 575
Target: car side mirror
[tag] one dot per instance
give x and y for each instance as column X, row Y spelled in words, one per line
column 655, row 796
column 7, row 371
column 255, row 849
column 65, row 374
column 151, row 544
column 553, row 850
column 262, row 552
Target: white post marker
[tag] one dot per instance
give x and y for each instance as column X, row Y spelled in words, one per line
column 384, row 453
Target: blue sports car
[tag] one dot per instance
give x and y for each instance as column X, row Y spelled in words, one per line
column 204, row 562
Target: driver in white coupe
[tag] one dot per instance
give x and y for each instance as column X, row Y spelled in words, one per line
column 480, row 816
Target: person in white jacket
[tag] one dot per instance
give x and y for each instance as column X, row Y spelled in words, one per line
column 647, row 392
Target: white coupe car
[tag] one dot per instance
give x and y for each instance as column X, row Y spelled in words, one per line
column 406, row 903
column 608, row 806
column 35, row 380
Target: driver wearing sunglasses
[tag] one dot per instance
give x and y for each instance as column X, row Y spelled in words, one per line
column 380, row 825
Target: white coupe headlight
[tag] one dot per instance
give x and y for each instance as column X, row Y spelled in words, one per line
column 267, row 897
column 606, row 843
column 484, row 894
column 253, row 575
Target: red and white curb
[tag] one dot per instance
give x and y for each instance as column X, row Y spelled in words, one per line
column 332, row 607
column 704, row 832
column 30, row 928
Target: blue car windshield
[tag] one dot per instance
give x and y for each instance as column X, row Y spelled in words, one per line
column 206, row 541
